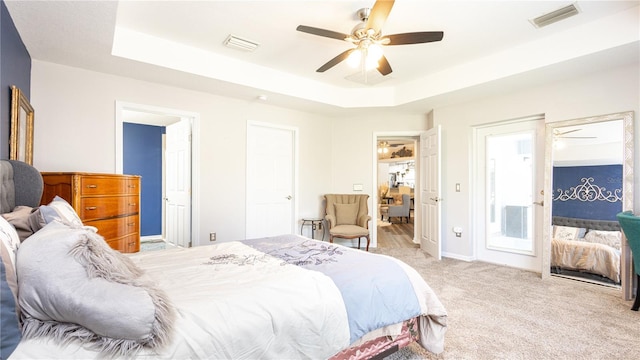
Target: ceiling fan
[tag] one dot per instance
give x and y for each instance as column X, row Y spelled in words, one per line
column 368, row 39
column 562, row 134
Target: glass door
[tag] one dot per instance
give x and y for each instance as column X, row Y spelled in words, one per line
column 508, row 192
column 509, row 180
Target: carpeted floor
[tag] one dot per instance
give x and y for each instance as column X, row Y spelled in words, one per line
column 496, row 312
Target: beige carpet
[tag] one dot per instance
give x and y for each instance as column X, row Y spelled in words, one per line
column 497, row 312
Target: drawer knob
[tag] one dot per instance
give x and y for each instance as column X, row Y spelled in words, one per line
column 131, row 224
column 92, row 186
column 91, row 208
column 132, row 186
column 132, row 204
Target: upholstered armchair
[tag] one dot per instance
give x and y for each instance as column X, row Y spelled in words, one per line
column 403, row 210
column 348, row 216
column 630, row 225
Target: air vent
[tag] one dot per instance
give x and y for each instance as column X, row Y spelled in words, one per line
column 235, row 42
column 555, row 16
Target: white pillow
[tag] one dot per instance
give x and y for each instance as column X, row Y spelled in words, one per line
column 59, row 209
column 567, row 232
column 10, row 243
column 10, row 240
column 609, row 238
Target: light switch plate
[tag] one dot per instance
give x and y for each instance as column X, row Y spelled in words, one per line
column 357, row 187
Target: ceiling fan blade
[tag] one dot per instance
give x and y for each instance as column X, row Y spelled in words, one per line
column 335, row 61
column 379, row 13
column 414, row 38
column 322, row 32
column 383, row 66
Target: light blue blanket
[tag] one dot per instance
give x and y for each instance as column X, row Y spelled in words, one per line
column 375, row 289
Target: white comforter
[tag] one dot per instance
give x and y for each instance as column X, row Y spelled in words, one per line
column 233, row 302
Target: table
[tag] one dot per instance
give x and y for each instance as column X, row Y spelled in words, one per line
column 315, row 223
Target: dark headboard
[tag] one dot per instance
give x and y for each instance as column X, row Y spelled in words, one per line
column 586, row 223
column 20, row 184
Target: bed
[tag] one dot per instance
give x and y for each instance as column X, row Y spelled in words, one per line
column 270, row 298
column 586, row 248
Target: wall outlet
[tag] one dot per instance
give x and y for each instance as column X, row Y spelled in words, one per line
column 212, row 236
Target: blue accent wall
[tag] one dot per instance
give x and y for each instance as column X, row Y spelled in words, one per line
column 142, row 152
column 604, row 178
column 15, row 69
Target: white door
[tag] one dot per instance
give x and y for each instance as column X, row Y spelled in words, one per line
column 508, row 193
column 178, row 183
column 270, row 180
column 430, row 191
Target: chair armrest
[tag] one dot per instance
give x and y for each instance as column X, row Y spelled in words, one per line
column 331, row 220
column 363, row 221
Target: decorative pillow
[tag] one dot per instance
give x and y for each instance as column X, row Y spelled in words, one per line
column 57, row 210
column 10, row 244
column 609, row 238
column 568, row 232
column 19, row 218
column 346, row 214
column 73, row 286
column 8, row 318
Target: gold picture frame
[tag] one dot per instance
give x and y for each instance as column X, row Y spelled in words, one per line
column 22, row 114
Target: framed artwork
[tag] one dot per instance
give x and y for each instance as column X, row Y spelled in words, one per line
column 21, row 140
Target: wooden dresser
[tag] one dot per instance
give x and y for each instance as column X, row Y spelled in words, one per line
column 109, row 202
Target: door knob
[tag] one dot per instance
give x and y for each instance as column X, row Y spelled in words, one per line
column 541, row 203
column 289, row 197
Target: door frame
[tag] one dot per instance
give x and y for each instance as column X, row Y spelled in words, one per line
column 120, row 107
column 417, row 223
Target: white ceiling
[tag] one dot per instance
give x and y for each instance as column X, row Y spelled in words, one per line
column 488, row 47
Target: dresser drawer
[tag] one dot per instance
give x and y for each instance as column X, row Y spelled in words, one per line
column 127, row 244
column 106, row 207
column 95, row 185
column 116, row 227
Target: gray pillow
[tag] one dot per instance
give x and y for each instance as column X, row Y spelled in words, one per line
column 73, row 286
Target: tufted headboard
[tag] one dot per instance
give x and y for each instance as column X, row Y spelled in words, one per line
column 20, row 184
column 607, row 225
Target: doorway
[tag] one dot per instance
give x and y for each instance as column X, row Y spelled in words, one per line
column 397, row 169
column 178, row 215
column 508, row 192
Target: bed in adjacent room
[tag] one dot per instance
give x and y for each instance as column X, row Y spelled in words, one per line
column 278, row 297
column 586, row 248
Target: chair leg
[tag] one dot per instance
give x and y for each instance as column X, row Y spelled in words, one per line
column 359, row 243
column 636, row 304
column 369, row 240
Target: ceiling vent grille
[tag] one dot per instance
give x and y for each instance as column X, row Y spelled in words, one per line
column 235, row 42
column 555, row 16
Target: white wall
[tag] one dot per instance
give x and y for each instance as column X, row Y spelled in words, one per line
column 75, row 131
column 602, row 93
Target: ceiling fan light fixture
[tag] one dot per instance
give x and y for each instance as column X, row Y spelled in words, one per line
column 354, row 58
